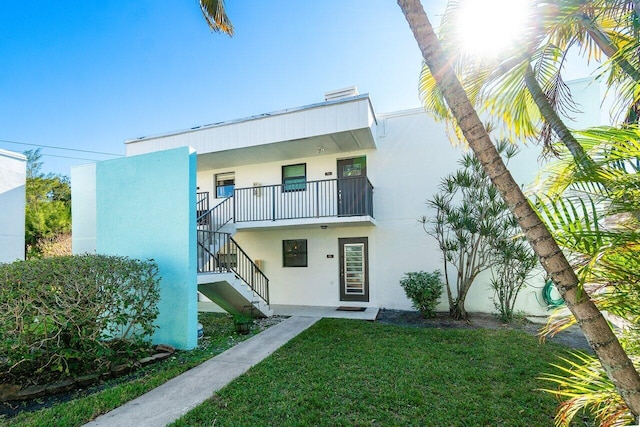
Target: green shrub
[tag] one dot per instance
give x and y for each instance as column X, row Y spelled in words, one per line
column 71, row 315
column 424, row 290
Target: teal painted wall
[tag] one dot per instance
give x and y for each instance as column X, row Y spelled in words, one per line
column 145, row 209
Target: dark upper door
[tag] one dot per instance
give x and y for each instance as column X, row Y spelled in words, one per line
column 354, row 269
column 352, row 186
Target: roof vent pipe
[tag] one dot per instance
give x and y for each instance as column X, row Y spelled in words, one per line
column 347, row 92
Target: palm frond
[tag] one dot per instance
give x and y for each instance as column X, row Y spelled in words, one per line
column 594, row 217
column 216, row 16
column 559, row 320
column 614, row 153
column 582, row 384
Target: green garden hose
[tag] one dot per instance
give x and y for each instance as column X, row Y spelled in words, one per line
column 546, row 295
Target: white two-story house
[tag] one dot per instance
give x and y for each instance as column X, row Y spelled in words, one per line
column 319, row 205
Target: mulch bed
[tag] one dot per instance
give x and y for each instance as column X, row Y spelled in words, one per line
column 572, row 337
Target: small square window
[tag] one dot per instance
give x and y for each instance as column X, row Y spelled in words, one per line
column 294, row 177
column 225, row 183
column 294, row 253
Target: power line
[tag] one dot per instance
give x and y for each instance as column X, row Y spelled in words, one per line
column 61, row 148
column 67, row 157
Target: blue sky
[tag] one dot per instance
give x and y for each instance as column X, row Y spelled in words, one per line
column 89, row 75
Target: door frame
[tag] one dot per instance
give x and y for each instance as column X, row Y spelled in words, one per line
column 342, row 291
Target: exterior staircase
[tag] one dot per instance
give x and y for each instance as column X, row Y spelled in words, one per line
column 226, row 274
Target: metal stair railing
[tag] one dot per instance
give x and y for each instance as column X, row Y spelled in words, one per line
column 228, row 256
column 206, row 258
column 216, row 217
column 202, row 207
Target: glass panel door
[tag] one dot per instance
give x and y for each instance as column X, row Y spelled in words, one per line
column 354, row 269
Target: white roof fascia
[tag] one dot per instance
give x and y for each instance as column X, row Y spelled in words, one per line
column 283, row 125
column 13, row 155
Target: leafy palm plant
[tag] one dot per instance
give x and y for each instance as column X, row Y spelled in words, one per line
column 516, row 264
column 523, row 88
column 595, row 216
column 611, row 354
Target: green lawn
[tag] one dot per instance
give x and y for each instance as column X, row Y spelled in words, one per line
column 342, row 372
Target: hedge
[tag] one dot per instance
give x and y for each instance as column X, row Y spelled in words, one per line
column 67, row 316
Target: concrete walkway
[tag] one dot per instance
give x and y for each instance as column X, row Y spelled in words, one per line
column 179, row 395
column 369, row 313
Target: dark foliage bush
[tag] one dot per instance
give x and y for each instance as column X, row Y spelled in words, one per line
column 424, row 290
column 72, row 315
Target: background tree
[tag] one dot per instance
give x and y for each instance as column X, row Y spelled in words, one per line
column 48, row 206
column 612, row 356
column 470, row 225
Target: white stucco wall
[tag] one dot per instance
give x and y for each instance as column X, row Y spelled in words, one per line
column 588, row 95
column 413, row 154
column 83, row 208
column 418, row 147
column 13, row 172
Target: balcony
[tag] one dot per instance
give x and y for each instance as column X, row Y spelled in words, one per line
column 345, row 201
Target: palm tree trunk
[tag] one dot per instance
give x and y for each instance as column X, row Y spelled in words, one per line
column 608, row 48
column 600, row 336
column 556, row 123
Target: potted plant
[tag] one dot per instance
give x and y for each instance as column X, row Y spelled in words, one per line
column 242, row 323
